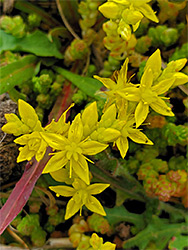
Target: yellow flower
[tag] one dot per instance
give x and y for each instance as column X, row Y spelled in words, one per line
column 82, row 195
column 97, row 243
column 126, row 13
column 34, row 146
column 108, row 127
column 59, row 127
column 115, row 86
column 128, row 131
column 147, row 95
column 29, row 120
column 72, row 150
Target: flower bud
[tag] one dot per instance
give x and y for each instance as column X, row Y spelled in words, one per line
column 110, row 10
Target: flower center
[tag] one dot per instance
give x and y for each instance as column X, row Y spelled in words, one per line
column 73, row 150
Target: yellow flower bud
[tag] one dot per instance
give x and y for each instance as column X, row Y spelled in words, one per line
column 132, row 16
column 110, row 10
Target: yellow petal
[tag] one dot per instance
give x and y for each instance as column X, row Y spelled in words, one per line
column 56, row 162
column 97, row 188
column 139, row 137
column 92, row 147
column 147, row 79
column 154, row 63
column 148, row 12
column 72, row 208
column 14, row 125
column 81, row 169
column 89, row 118
column 22, row 140
column 95, row 206
column 27, row 113
column 41, row 151
column 108, row 117
column 110, row 135
column 107, row 82
column 75, row 132
column 110, row 10
column 179, row 79
column 123, row 71
column 123, row 145
column 161, row 107
column 63, row 190
column 141, row 113
column 130, row 94
column 59, row 127
column 25, row 154
column 163, row 86
column 55, row 141
column 61, row 175
column 79, row 184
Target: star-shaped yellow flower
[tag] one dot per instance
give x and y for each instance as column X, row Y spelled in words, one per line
column 82, row 195
column 115, row 86
column 72, row 150
column 147, row 94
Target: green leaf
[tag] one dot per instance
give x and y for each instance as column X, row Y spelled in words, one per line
column 36, row 43
column 157, row 232
column 178, row 242
column 88, row 85
column 117, row 214
column 17, row 72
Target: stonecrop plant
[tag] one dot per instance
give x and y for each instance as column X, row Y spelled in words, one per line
column 113, row 120
column 126, row 108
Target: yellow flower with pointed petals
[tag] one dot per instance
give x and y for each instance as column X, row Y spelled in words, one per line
column 115, row 86
column 148, row 96
column 82, row 195
column 59, row 127
column 29, row 120
column 128, row 131
column 34, row 146
column 97, row 243
column 72, row 150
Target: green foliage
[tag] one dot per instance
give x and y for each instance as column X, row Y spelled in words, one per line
column 17, row 72
column 178, row 242
column 36, row 43
column 13, row 25
column 88, row 85
column 28, row 224
column 175, row 134
column 163, row 36
column 118, row 214
column 158, row 232
column 180, row 52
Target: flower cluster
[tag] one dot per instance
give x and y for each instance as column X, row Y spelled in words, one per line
column 126, row 14
column 135, row 99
